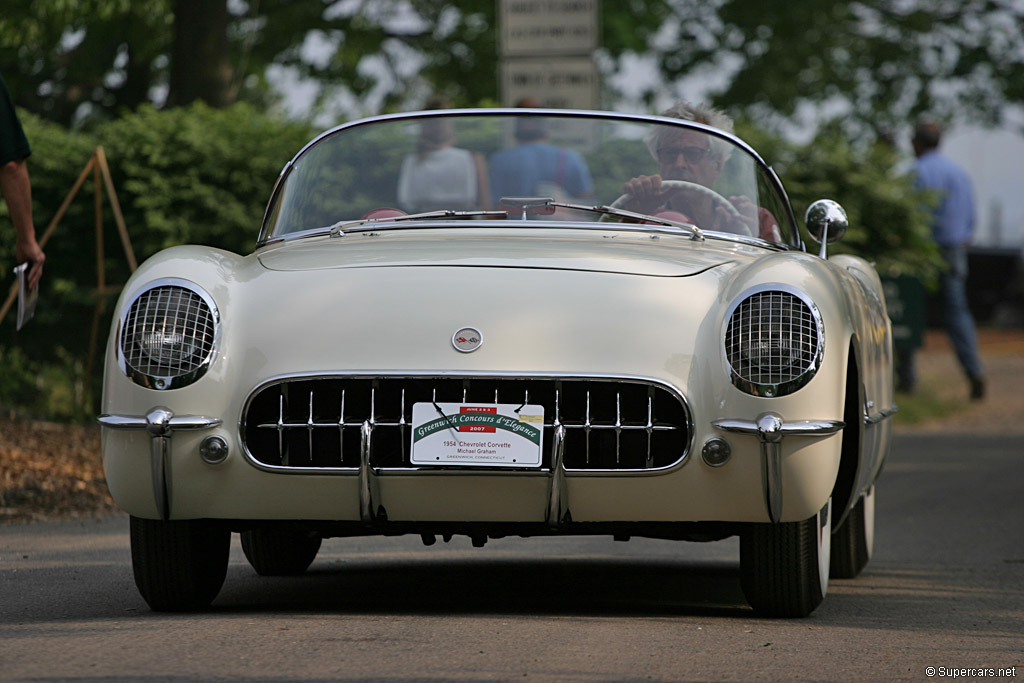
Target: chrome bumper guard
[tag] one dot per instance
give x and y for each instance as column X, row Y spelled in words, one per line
column 558, row 497
column 770, row 430
column 371, row 509
column 159, row 423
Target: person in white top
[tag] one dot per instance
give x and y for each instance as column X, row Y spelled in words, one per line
column 440, row 175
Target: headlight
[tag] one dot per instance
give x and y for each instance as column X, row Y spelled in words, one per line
column 774, row 341
column 168, row 334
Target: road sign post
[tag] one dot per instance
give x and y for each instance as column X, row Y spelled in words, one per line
column 547, row 49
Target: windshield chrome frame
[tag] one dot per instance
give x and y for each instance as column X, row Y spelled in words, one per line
column 264, row 237
column 653, row 231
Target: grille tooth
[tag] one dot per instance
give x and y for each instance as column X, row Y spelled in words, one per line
column 604, row 431
column 772, row 342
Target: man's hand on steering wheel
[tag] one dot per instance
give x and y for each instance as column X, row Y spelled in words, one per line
column 646, row 193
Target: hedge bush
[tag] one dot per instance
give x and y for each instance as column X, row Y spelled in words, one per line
column 193, row 175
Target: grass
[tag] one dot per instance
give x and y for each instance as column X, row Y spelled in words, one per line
column 924, row 405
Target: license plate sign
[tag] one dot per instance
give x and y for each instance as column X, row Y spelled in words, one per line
column 477, row 434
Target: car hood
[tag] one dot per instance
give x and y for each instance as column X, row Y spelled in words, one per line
column 609, row 252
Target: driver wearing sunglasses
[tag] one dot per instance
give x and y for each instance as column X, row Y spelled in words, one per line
column 696, row 157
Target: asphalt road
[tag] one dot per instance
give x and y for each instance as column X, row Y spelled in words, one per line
column 945, row 589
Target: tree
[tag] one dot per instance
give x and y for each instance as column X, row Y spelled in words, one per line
column 92, row 59
column 201, row 67
column 65, row 59
column 876, row 62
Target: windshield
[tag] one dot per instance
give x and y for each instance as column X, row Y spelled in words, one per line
column 469, row 161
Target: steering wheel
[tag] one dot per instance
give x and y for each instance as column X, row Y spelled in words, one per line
column 695, row 187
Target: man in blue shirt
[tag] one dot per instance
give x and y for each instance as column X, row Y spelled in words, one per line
column 535, row 167
column 952, row 228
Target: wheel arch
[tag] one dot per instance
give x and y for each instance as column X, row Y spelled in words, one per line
column 844, row 489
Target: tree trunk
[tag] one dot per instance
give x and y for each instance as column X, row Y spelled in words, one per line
column 201, row 66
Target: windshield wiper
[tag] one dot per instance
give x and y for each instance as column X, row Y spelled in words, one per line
column 342, row 227
column 528, row 205
column 695, row 232
column 545, row 206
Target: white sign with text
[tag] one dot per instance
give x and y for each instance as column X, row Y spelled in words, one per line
column 477, row 434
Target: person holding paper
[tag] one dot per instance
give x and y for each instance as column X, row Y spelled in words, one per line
column 17, row 188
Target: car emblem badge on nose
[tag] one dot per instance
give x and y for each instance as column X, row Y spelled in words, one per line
column 467, row 339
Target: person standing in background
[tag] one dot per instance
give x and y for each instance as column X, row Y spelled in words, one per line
column 440, row 175
column 535, row 167
column 17, row 188
column 952, row 228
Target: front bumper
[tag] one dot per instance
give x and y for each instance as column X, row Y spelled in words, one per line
column 771, row 478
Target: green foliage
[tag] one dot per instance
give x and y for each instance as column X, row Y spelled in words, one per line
column 197, row 175
column 93, row 59
column 65, row 58
column 53, row 387
column 194, row 175
column 889, row 219
column 886, row 61
column 925, row 405
column 18, row 380
column 457, row 41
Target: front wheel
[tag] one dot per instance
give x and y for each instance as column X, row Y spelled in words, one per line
column 784, row 568
column 854, row 541
column 279, row 552
column 179, row 566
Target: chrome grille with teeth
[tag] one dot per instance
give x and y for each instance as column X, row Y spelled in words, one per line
column 315, row 423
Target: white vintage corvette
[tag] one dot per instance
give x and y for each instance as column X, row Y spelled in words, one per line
column 462, row 322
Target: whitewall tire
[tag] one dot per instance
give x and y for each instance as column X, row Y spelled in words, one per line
column 784, row 568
